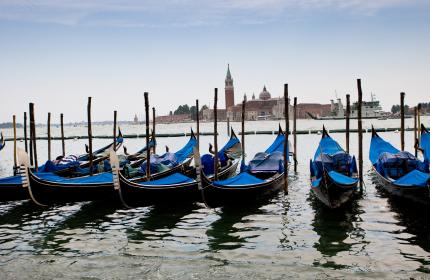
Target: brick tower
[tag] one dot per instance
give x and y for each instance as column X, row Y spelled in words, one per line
column 229, row 89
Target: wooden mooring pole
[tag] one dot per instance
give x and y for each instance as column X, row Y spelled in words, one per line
column 347, row 115
column 15, row 167
column 295, row 134
column 115, row 114
column 198, row 125
column 33, row 135
column 216, row 135
column 63, row 145
column 153, row 130
column 49, row 135
column 419, row 122
column 228, row 126
column 90, row 136
column 25, row 132
column 30, row 140
column 360, row 136
column 415, row 131
column 287, row 130
column 243, row 130
column 148, row 149
column 402, row 121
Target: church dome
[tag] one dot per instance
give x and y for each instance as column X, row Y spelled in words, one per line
column 265, row 95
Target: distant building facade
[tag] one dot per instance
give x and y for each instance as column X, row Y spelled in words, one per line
column 229, row 90
column 265, row 107
column 173, row 118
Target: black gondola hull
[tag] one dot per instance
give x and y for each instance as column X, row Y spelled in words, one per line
column 332, row 194
column 45, row 192
column 218, row 196
column 133, row 194
column 12, row 192
column 416, row 194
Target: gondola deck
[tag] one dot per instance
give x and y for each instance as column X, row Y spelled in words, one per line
column 413, row 185
column 332, row 187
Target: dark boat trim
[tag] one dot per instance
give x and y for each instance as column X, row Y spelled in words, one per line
column 330, row 193
column 39, row 189
column 156, row 194
column 417, row 194
column 327, row 190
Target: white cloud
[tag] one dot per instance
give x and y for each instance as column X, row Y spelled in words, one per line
column 178, row 12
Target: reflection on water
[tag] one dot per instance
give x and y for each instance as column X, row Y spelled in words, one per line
column 158, row 222
column 338, row 230
column 85, row 215
column 416, row 231
column 288, row 236
column 226, row 232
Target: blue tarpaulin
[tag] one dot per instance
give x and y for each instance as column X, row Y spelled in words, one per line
column 238, row 180
column 50, row 166
column 12, row 180
column 271, row 160
column 425, row 145
column 101, row 178
column 160, row 163
column 331, row 157
column 379, row 146
column 186, row 151
column 175, row 178
column 86, row 157
column 341, row 179
column 277, row 145
column 414, row 178
column 208, row 159
column 264, row 162
column 327, row 146
column 152, row 143
column 230, row 144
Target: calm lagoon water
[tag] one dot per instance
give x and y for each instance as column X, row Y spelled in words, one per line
column 289, row 236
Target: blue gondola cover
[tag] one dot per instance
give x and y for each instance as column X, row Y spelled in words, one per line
column 12, row 180
column 101, row 178
column 264, row 162
column 175, row 178
column 277, row 145
column 425, row 145
column 341, row 179
column 379, row 146
column 414, row 178
column 238, row 180
column 186, row 151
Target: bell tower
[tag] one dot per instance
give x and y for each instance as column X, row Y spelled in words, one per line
column 229, row 89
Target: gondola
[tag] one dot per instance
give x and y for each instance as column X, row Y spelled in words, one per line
column 76, row 166
column 11, row 188
column 2, row 142
column 333, row 173
column 263, row 177
column 425, row 143
column 399, row 173
column 174, row 188
column 182, row 159
column 46, row 187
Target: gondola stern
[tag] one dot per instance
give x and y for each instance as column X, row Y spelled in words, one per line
column 423, row 129
column 324, row 132
column 280, row 131
column 374, row 133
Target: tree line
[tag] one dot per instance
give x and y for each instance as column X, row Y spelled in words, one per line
column 425, row 108
column 188, row 110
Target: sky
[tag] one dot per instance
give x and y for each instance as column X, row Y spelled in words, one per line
column 56, row 53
